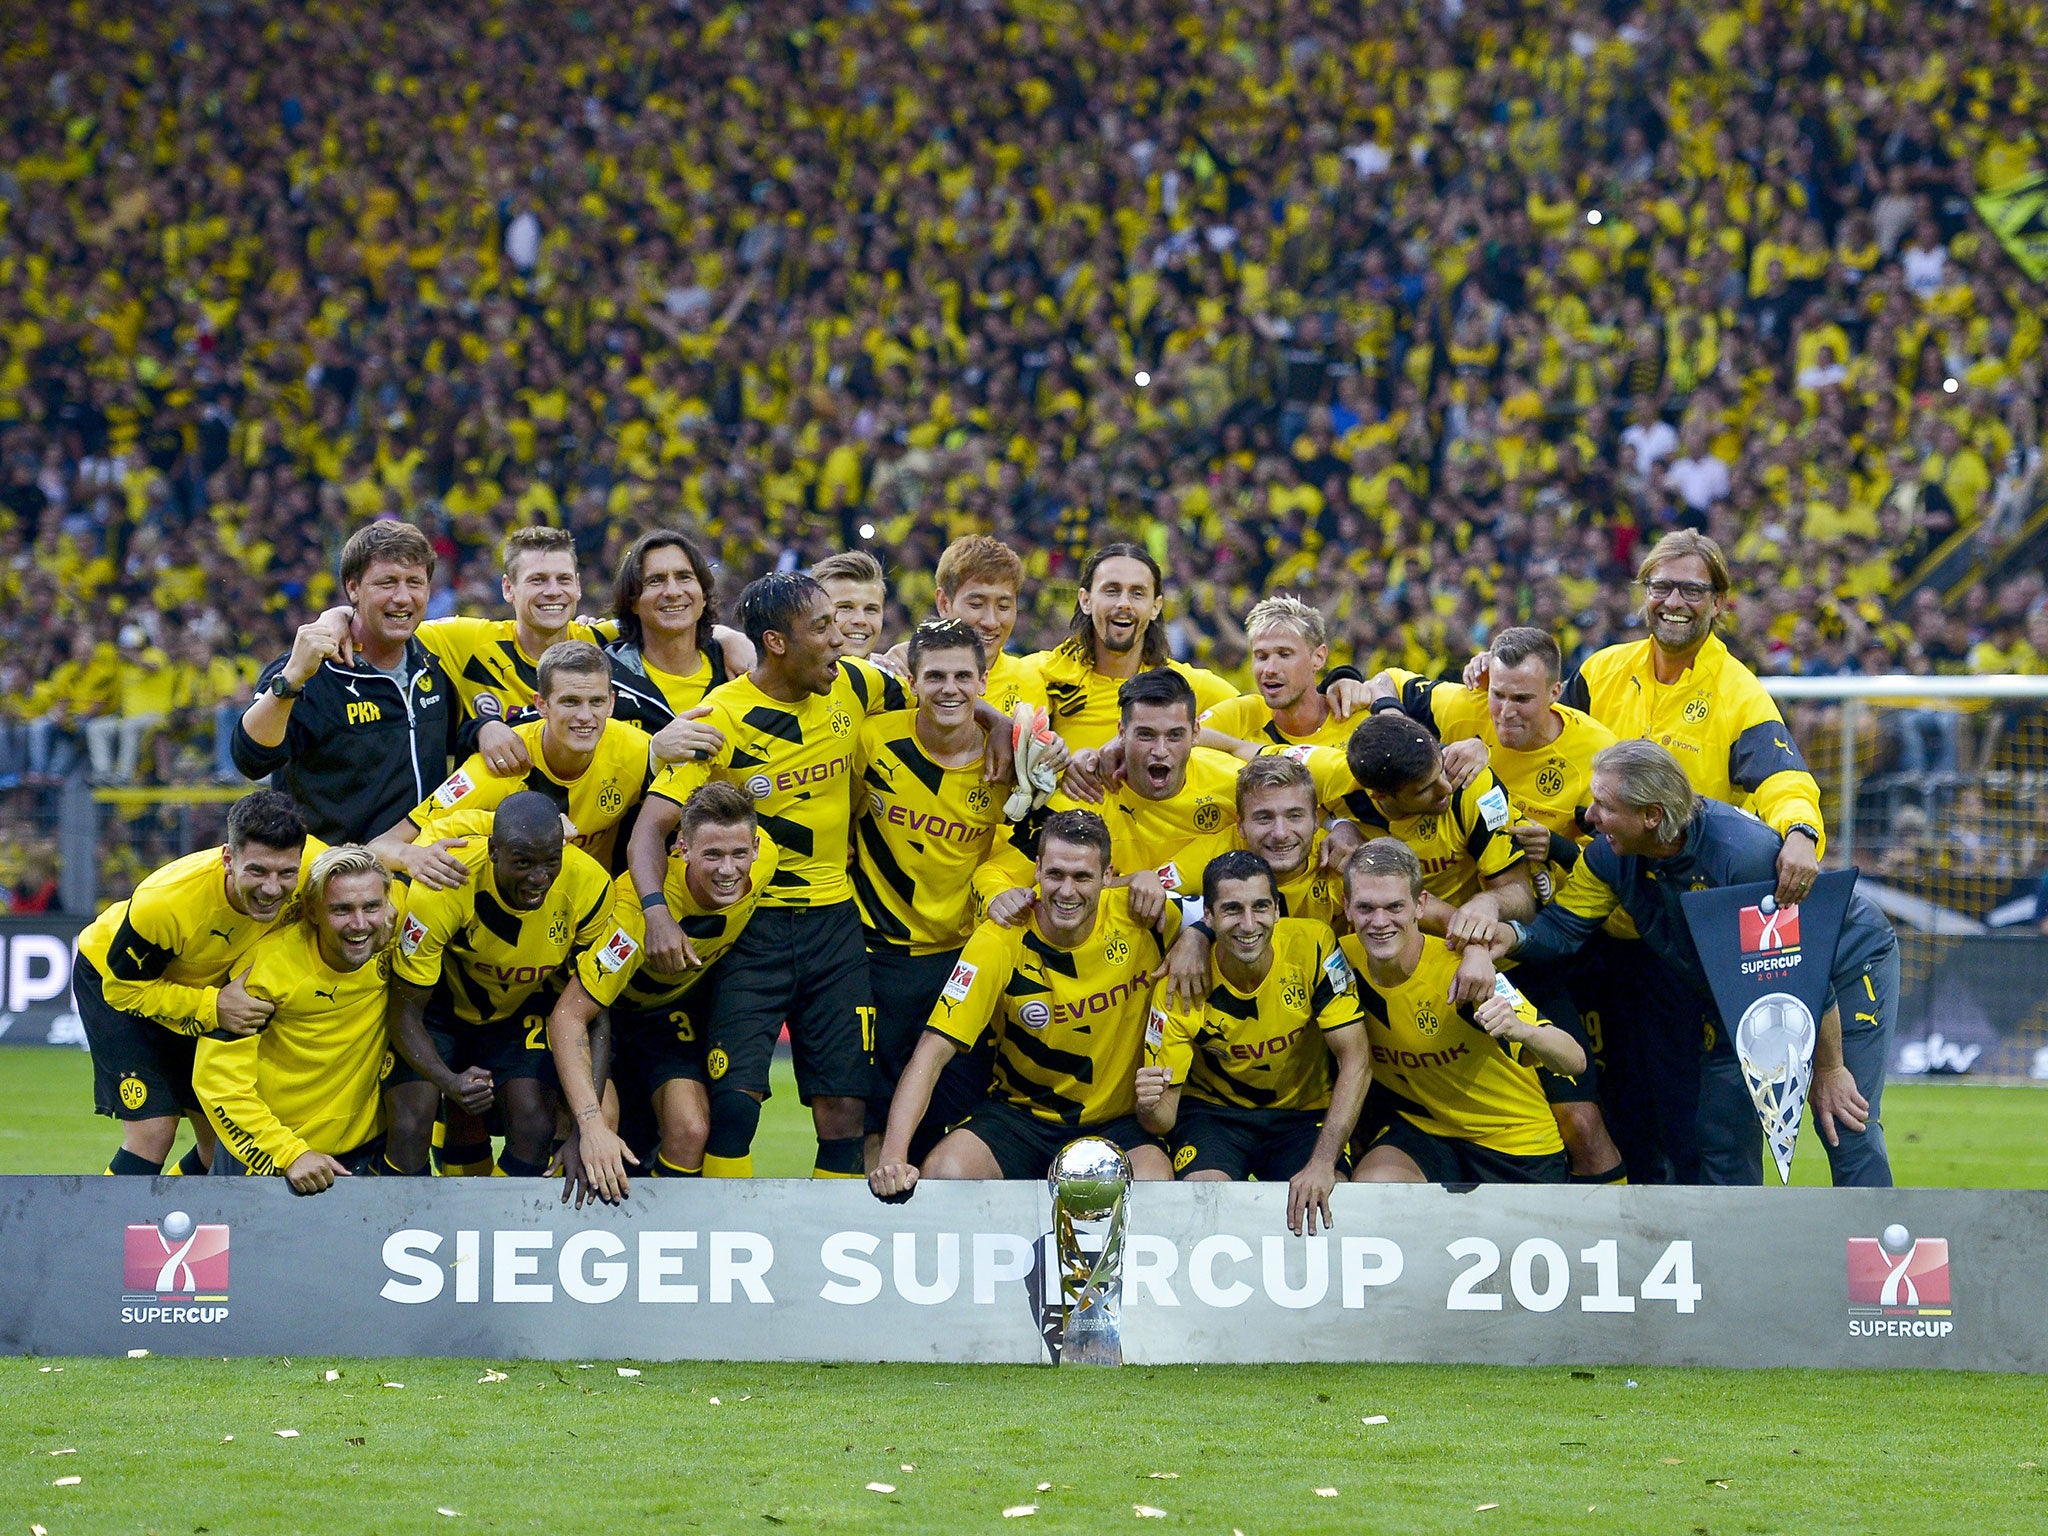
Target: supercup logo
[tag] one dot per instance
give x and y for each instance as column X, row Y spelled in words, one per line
column 1899, row 1285
column 167, row 1268
column 1034, row 1014
column 760, row 786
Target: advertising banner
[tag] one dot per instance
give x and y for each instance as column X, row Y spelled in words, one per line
column 794, row 1270
column 35, row 971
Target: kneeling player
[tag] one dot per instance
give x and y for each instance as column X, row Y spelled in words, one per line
column 1240, row 1084
column 1066, row 991
column 470, row 988
column 716, row 874
column 303, row 1098
column 1474, row 1110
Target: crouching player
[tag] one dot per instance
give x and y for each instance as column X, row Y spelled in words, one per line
column 1240, row 1084
column 716, row 872
column 471, row 985
column 304, row 1098
column 1458, row 1045
column 1066, row 992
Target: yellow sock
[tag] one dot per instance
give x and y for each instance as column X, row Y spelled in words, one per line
column 665, row 1169
column 741, row 1167
column 827, row 1173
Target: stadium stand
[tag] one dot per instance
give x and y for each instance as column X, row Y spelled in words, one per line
column 1432, row 314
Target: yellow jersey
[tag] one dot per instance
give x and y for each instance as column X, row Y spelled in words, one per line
column 613, row 970
column 1081, row 701
column 1248, row 718
column 1716, row 720
column 1310, row 892
column 165, row 952
column 1461, row 847
column 1263, row 1049
column 595, row 801
column 312, row 1080
column 484, row 958
column 492, row 674
column 1014, row 680
column 1145, row 834
column 1069, row 1023
column 796, row 760
column 1466, row 1084
column 923, row 832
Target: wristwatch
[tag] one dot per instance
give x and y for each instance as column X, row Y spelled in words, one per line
column 1521, row 932
column 284, row 688
column 1811, row 831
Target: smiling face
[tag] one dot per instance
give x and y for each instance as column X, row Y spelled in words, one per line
column 576, row 709
column 1243, row 915
column 948, row 684
column 1279, row 825
column 809, row 651
column 1384, row 912
column 1158, row 739
column 525, row 868
column 543, row 589
column 988, row 608
column 1069, row 889
column 1630, row 830
column 1120, row 602
column 354, row 921
column 1429, row 796
column 261, row 879
column 1518, row 697
column 390, row 599
column 671, row 598
column 1680, row 603
column 719, row 862
column 1285, row 665
column 857, row 607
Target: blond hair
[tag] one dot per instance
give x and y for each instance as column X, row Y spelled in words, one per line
column 1286, row 611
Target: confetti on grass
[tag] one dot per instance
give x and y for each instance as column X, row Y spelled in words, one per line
column 1019, row 1511
column 1147, row 1512
column 881, row 1487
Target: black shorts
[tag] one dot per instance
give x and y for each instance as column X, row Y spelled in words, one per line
column 652, row 1046
column 361, row 1161
column 1448, row 1160
column 140, row 1070
column 1271, row 1145
column 508, row 1048
column 807, row 966
column 1548, row 986
column 1024, row 1145
column 906, row 989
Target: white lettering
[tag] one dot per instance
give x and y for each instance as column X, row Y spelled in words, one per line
column 599, row 1282
column 1149, row 1265
column 409, row 1257
column 1367, row 1261
column 1000, row 1258
column 660, row 1265
column 1202, row 1270
column 913, row 1290
column 1315, row 1281
column 1557, row 1275
column 859, row 1281
column 24, row 986
column 514, row 1256
column 742, row 1259
column 469, row 1266
column 1485, row 1256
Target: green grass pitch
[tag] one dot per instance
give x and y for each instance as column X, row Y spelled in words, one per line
column 174, row 1446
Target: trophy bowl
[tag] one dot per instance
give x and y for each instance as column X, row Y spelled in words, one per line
column 1089, row 1177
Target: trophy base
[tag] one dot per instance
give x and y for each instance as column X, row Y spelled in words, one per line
column 1092, row 1338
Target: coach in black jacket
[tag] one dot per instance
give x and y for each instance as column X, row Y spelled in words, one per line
column 1658, row 840
column 358, row 721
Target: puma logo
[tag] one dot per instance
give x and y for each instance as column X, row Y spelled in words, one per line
column 329, row 993
column 218, row 933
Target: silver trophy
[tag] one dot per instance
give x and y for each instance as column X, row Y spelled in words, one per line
column 1774, row 1042
column 1091, row 1183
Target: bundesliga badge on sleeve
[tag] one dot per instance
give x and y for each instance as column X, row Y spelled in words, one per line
column 1769, row 967
column 1091, row 1182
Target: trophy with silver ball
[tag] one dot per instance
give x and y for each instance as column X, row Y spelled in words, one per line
column 1091, row 1183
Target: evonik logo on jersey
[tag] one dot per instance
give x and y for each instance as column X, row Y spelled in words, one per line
column 175, row 1271
column 1899, row 1286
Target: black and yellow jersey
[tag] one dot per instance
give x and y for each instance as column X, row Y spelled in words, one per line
column 1014, row 680
column 495, row 679
column 312, row 1080
column 1461, row 848
column 649, row 697
column 796, row 760
column 613, row 970
column 1262, row 1050
column 484, row 958
column 1081, row 701
column 923, row 831
column 1247, row 718
column 1551, row 785
column 1311, row 891
column 1717, row 720
column 595, row 801
column 1144, row 834
column 1467, row 1084
column 165, row 952
column 1069, row 1023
